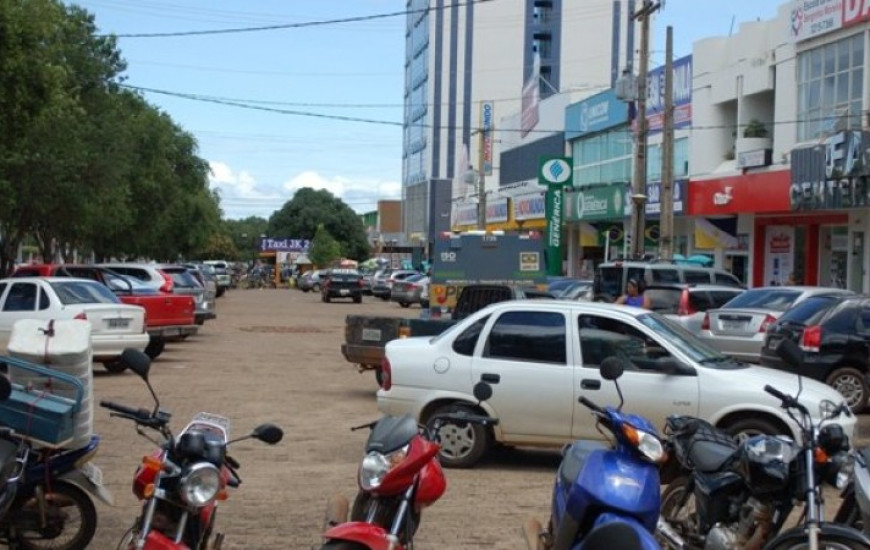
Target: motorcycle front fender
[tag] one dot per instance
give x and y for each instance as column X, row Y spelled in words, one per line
column 156, row 541
column 79, row 479
column 798, row 535
column 371, row 536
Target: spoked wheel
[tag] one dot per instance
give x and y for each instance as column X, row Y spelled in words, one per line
column 71, row 520
column 826, row 542
column 852, row 386
column 678, row 509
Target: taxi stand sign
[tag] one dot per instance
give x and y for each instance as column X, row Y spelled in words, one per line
column 556, row 173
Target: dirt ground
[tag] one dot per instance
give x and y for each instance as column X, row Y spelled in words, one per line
column 274, row 356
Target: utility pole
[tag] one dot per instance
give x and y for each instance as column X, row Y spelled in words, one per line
column 666, row 215
column 638, row 183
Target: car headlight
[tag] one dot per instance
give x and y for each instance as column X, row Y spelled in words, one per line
column 375, row 466
column 200, row 484
column 647, row 444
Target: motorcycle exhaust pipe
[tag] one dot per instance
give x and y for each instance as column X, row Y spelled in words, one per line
column 533, row 533
column 670, row 535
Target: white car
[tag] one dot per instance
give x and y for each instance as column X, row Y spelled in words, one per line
column 541, row 356
column 114, row 325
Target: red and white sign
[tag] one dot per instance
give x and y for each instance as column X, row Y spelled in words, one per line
column 812, row 18
column 756, row 192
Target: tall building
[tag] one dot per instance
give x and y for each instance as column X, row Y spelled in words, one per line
column 461, row 54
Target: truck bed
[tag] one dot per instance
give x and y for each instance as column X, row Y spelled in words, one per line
column 365, row 336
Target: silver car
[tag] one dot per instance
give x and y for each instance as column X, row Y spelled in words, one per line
column 688, row 304
column 738, row 328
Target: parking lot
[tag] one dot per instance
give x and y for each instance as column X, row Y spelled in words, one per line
column 274, row 355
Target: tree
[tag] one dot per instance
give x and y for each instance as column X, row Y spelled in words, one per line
column 309, row 209
column 244, row 234
column 324, row 248
column 219, row 246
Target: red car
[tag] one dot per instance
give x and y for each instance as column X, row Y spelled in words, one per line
column 168, row 317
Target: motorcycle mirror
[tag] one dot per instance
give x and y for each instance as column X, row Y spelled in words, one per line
column 611, row 368
column 137, row 362
column 482, row 391
column 5, row 388
column 790, row 352
column 268, row 433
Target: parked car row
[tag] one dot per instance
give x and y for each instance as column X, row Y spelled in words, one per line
column 136, row 305
column 403, row 286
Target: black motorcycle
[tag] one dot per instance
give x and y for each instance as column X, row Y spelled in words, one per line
column 738, row 495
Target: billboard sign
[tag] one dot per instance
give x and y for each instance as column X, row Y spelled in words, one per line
column 283, row 244
column 655, row 95
column 597, row 113
column 486, row 117
column 813, row 18
column 831, row 174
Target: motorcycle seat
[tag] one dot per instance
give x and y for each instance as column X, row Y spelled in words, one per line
column 709, row 456
column 573, row 458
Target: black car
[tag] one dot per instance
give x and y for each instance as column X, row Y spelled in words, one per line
column 834, row 332
column 341, row 283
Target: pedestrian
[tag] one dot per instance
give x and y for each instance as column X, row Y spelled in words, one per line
column 634, row 295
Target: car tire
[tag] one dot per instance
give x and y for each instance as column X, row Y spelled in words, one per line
column 462, row 446
column 404, row 304
column 221, row 291
column 357, row 299
column 748, row 426
column 114, row 367
column 155, row 347
column 852, row 385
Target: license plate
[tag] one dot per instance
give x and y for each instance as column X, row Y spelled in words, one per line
column 93, row 473
column 120, row 322
column 372, row 334
column 344, row 292
column 733, row 325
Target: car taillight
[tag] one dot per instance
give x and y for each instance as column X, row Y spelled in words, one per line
column 812, row 338
column 386, row 374
column 685, row 307
column 167, row 283
column 769, row 320
column 705, row 324
column 81, row 316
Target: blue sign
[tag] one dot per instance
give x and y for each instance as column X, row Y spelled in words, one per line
column 655, row 95
column 597, row 113
column 654, row 192
column 283, row 244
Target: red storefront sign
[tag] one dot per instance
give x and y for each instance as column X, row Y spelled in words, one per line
column 756, row 192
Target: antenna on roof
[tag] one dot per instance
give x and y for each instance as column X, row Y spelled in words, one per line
column 731, row 30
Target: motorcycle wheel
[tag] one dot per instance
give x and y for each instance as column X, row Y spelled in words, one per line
column 826, row 542
column 72, row 520
column 343, row 545
column 678, row 508
column 848, row 513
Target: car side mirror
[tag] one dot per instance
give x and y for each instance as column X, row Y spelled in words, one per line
column 790, row 352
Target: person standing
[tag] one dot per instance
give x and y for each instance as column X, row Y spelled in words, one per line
column 634, row 295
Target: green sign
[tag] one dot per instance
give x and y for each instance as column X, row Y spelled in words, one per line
column 553, row 209
column 596, row 203
column 555, row 171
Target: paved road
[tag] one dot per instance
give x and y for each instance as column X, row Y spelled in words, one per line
column 273, row 355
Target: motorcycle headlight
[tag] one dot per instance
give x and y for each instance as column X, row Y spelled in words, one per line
column 648, row 445
column 200, row 484
column 375, row 466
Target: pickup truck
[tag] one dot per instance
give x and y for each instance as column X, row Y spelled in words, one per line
column 366, row 335
column 542, row 357
column 168, row 317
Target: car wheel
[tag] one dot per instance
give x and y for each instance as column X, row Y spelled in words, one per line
column 357, row 299
column 221, row 292
column 155, row 348
column 462, row 444
column 404, row 304
column 852, row 385
column 114, row 367
column 745, row 428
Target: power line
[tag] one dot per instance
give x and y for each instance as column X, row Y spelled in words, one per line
column 304, row 24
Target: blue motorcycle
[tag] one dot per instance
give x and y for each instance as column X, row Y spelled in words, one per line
column 598, row 487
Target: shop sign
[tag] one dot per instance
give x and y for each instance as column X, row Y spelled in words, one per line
column 597, row 113
column 497, row 211
column 831, row 174
column 654, row 197
column 812, row 18
column 529, row 207
column 595, row 203
column 779, row 253
column 486, row 115
column 465, row 214
column 283, row 244
column 752, row 192
column 754, row 159
column 655, row 96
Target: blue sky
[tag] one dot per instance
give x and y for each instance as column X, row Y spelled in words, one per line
column 259, row 158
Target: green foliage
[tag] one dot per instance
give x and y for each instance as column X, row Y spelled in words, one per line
column 245, row 234
column 309, row 209
column 219, row 247
column 755, row 129
column 324, row 249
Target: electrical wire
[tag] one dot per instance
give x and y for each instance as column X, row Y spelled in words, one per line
column 304, row 24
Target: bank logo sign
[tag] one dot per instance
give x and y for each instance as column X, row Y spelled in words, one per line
column 596, row 203
column 555, row 171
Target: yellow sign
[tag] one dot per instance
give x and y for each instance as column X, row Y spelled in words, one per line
column 530, row 261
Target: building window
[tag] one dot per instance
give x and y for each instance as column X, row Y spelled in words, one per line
column 543, row 45
column 543, row 11
column 681, row 160
column 603, row 158
column 830, row 87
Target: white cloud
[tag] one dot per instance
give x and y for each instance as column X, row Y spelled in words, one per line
column 362, row 195
column 241, row 196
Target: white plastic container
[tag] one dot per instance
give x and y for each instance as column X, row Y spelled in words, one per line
column 67, row 350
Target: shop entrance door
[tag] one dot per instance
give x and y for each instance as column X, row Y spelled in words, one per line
column 856, row 270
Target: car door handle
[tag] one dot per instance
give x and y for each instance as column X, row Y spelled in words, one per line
column 490, row 378
column 590, row 384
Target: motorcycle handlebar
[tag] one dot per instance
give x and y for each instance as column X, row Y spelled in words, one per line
column 787, row 400
column 590, row 405
column 128, row 411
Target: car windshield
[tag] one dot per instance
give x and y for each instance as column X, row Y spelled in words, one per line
column 127, row 284
column 682, row 339
column 764, row 298
column 809, row 311
column 83, row 292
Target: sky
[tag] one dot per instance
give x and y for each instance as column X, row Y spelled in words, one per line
column 293, row 77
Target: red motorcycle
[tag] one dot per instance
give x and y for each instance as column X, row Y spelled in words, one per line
column 181, row 484
column 398, row 477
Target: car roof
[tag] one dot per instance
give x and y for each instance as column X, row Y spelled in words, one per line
column 695, row 286
column 570, row 306
column 49, row 280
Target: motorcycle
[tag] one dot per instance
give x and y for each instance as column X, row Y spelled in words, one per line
column 398, row 477
column 45, row 497
column 739, row 495
column 854, row 508
column 599, row 487
column 181, row 484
